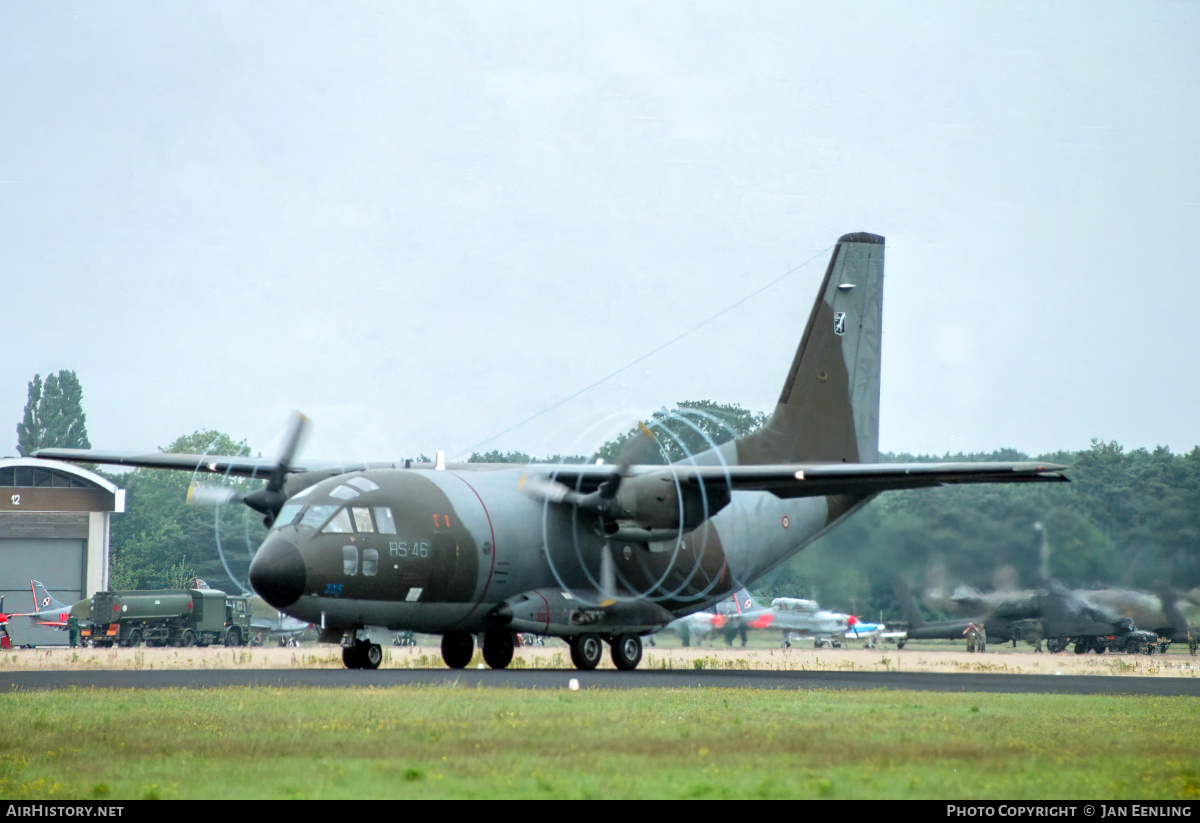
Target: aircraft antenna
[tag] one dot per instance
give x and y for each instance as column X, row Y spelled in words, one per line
column 651, row 353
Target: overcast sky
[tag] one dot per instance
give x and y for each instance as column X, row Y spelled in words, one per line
column 423, row 223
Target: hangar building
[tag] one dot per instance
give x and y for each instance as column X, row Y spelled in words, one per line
column 54, row 524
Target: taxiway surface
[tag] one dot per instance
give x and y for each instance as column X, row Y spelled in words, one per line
column 602, row 679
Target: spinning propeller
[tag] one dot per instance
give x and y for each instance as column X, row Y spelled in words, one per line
column 268, row 500
column 603, row 501
column 632, row 509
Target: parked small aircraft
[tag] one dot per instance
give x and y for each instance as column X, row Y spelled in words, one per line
column 44, row 626
column 719, row 618
column 589, row 553
column 797, row 618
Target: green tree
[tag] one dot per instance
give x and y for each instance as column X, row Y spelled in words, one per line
column 692, row 427
column 54, row 415
column 161, row 540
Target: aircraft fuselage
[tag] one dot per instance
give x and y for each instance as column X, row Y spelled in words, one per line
column 427, row 550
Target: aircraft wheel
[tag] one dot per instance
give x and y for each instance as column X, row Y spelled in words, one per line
column 352, row 656
column 371, row 656
column 586, row 651
column 627, row 652
column 498, row 648
column 189, row 638
column 457, row 648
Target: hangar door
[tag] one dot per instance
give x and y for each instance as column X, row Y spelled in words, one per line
column 57, row 562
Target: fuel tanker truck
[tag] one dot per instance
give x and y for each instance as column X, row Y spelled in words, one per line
column 167, row 617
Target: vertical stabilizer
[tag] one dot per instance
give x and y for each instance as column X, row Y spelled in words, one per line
column 43, row 600
column 828, row 411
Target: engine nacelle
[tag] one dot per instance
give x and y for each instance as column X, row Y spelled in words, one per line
column 660, row 501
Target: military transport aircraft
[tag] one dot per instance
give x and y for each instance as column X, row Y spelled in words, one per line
column 588, row 553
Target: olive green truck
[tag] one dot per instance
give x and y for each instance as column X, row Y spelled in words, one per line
column 167, row 617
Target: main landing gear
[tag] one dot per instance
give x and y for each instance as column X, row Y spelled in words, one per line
column 459, row 647
column 362, row 655
column 498, row 644
column 586, row 650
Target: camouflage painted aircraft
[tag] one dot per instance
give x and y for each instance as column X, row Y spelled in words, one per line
column 588, row 553
column 1051, row 612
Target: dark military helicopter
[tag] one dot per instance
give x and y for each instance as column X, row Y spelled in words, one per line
column 1052, row 612
column 588, row 553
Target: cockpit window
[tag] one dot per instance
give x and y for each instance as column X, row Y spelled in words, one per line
column 384, row 521
column 287, row 515
column 344, row 492
column 339, row 523
column 363, row 484
column 362, row 520
column 316, row 515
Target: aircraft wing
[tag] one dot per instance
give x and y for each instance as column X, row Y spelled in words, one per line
column 260, row 467
column 237, row 466
column 784, row 480
column 820, row 479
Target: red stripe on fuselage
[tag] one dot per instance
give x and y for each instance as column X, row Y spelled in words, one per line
column 492, row 530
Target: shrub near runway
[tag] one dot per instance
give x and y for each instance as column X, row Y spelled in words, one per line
column 454, row 742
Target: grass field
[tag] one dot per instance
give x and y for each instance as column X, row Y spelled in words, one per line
column 452, row 742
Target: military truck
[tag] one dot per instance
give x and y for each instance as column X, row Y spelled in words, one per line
column 168, row 617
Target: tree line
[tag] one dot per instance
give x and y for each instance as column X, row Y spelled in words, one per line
column 1129, row 517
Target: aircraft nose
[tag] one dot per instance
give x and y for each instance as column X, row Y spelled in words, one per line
column 277, row 572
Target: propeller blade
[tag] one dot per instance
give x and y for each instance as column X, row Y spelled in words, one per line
column 297, row 428
column 640, row 448
column 550, row 490
column 603, row 500
column 199, row 494
column 608, row 578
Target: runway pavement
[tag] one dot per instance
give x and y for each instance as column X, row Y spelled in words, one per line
column 603, row 679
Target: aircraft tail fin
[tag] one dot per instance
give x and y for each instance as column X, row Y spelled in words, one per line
column 43, row 600
column 744, row 601
column 828, row 411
